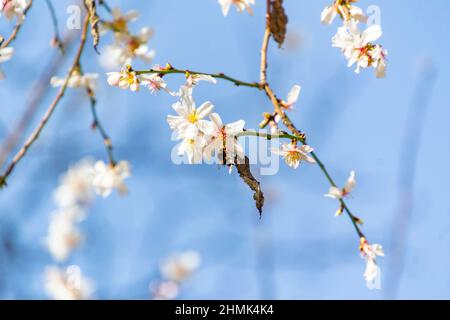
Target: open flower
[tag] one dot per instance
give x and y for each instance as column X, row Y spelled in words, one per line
column 241, row 5
column 108, row 177
column 14, row 8
column 193, row 148
column 194, row 79
column 224, row 141
column 179, row 267
column 292, row 98
column 68, row 284
column 337, row 193
column 154, row 82
column 359, row 49
column 128, row 47
column 372, row 274
column 5, row 55
column 189, row 122
column 124, row 79
column 77, row 80
column 120, row 21
column 345, row 9
column 294, row 154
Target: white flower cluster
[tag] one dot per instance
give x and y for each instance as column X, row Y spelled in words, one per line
column 14, row 9
column 126, row 46
column 75, row 192
column 68, row 284
column 357, row 46
column 241, row 5
column 175, row 270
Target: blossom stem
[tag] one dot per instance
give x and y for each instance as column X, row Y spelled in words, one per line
column 97, row 125
column 16, row 30
column 214, row 75
column 285, row 135
column 56, row 37
column 36, row 133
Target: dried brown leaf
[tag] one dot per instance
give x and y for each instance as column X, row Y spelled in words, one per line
column 278, row 21
column 249, row 179
column 93, row 21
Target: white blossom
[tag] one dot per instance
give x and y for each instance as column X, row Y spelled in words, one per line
column 165, row 290
column 189, row 122
column 125, row 79
column 294, row 154
column 108, row 177
column 193, row 148
column 359, row 49
column 179, row 267
column 120, row 21
column 75, row 188
column 68, row 284
column 77, row 80
column 63, row 235
column 224, row 141
column 154, row 82
column 127, row 47
column 372, row 273
column 345, row 9
column 337, row 193
column 14, row 8
column 241, row 5
column 5, row 55
column 194, row 79
column 292, row 97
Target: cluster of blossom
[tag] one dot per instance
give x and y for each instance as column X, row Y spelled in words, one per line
column 126, row 46
column 368, row 252
column 73, row 195
column 175, row 270
column 11, row 9
column 67, row 284
column 14, row 9
column 357, row 46
column 241, row 5
column 77, row 80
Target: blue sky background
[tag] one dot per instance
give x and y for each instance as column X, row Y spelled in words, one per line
column 298, row 250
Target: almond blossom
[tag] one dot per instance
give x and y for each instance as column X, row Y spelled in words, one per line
column 120, row 21
column 67, row 284
column 189, row 122
column 345, row 9
column 339, row 194
column 359, row 49
column 293, row 154
column 14, row 8
column 165, row 290
column 128, row 47
column 108, row 177
column 179, row 267
column 241, row 5
column 292, row 97
column 5, row 55
column 194, row 79
column 154, row 82
column 75, row 188
column 224, row 142
column 77, row 80
column 63, row 234
column 372, row 274
column 125, row 79
column 193, row 148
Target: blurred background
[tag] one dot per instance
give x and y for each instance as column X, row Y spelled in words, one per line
column 391, row 132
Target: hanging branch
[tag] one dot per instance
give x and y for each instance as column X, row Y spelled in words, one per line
column 16, row 30
column 35, row 134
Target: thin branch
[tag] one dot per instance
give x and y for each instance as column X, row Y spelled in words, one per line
column 36, row 95
column 16, row 30
column 214, row 75
column 265, row 46
column 97, row 125
column 35, row 134
column 56, row 38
